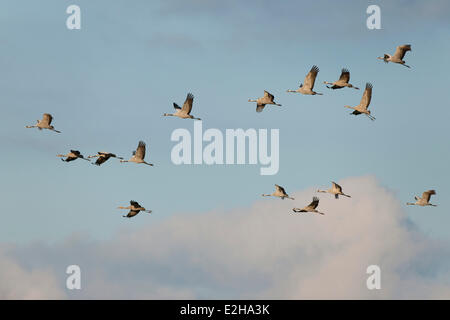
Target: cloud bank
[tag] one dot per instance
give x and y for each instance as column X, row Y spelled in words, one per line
column 264, row 252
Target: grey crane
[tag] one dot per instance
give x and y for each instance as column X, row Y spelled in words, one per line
column 336, row 190
column 398, row 55
column 268, row 98
column 363, row 106
column 342, row 82
column 279, row 192
column 72, row 155
column 45, row 123
column 134, row 208
column 138, row 155
column 308, row 84
column 185, row 111
column 424, row 200
column 310, row 207
column 103, row 156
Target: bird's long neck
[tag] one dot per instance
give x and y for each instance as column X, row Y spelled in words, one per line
column 124, row 207
column 323, row 191
column 168, row 114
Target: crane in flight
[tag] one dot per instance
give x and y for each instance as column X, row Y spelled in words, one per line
column 45, row 123
column 342, row 82
column 400, row 52
column 310, row 207
column 308, row 84
column 424, row 200
column 102, row 157
column 185, row 111
column 279, row 192
column 268, row 98
column 72, row 155
column 134, row 208
column 362, row 107
column 336, row 190
column 138, row 155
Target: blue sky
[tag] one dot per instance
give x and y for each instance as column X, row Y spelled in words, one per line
column 108, row 84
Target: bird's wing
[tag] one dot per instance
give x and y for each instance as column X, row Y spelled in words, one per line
column 260, row 107
column 401, row 51
column 268, row 95
column 47, row 118
column 135, row 204
column 311, row 77
column 367, row 96
column 132, row 213
column 187, row 106
column 75, row 152
column 280, row 188
column 101, row 160
column 176, row 106
column 337, row 186
column 140, row 151
column 314, row 203
column 427, row 195
column 345, row 75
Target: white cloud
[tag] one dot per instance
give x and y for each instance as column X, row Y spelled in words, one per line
column 264, row 251
column 16, row 282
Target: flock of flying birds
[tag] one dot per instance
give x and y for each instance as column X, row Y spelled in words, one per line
column 268, row 99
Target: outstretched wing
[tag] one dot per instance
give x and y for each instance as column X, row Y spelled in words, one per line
column 106, row 154
column 76, row 152
column 310, row 78
column 176, row 106
column 187, row 106
column 260, row 107
column 401, row 51
column 345, row 75
column 335, row 185
column 140, row 151
column 47, row 118
column 280, row 189
column 314, row 203
column 367, row 96
column 101, row 159
column 268, row 95
column 135, row 204
column 132, row 213
column 427, row 195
